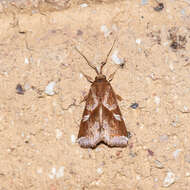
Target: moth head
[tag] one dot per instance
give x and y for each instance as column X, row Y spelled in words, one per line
column 100, row 77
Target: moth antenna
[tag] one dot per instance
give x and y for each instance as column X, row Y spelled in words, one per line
column 104, row 62
column 92, row 66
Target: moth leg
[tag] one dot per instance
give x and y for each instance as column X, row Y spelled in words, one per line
column 84, row 99
column 110, row 78
column 88, row 78
column 119, row 98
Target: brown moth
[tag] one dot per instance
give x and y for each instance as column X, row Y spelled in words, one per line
column 101, row 120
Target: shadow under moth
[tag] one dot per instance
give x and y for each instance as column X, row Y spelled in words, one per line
column 102, row 120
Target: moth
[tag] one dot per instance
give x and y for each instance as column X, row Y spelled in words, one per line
column 102, row 120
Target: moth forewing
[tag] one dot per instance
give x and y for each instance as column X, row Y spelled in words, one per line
column 114, row 132
column 89, row 133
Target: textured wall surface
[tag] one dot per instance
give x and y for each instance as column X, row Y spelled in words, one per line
column 42, row 85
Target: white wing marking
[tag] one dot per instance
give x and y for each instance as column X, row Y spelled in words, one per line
column 117, row 117
column 86, row 117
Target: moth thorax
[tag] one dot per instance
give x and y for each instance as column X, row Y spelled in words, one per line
column 100, row 77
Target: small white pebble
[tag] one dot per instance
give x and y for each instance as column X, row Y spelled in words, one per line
column 98, row 149
column 183, row 12
column 39, row 170
column 12, row 122
column 73, row 139
column 54, row 103
column 57, row 174
column 105, row 30
column 83, row 5
column 22, row 134
column 144, row 147
column 157, row 100
column 26, row 86
column 144, row 2
column 138, row 177
column 152, row 76
column 60, row 172
column 5, row 73
column 38, row 62
column 163, row 138
column 174, row 123
column 171, row 66
column 58, row 133
column 8, row 150
column 169, row 179
column 165, row 43
column 53, row 173
column 26, row 61
column 116, row 59
column 98, row 182
column 46, row 120
column 81, row 75
column 95, row 182
column 28, row 137
column 156, row 179
column 176, row 153
column 114, row 27
column 99, row 171
column 187, row 174
column 138, row 41
column 141, row 126
column 185, row 108
column 50, row 88
column 158, row 164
